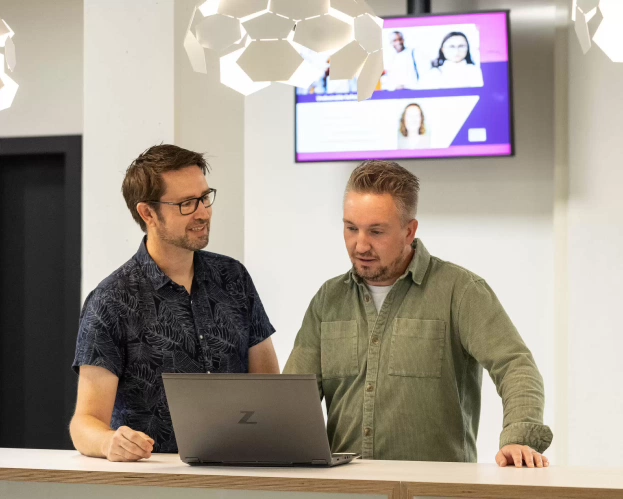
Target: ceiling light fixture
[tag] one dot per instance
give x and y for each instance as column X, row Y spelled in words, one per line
column 8, row 87
column 288, row 41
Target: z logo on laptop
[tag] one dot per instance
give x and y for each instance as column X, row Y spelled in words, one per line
column 247, row 415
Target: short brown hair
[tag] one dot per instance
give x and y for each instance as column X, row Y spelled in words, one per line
column 387, row 177
column 143, row 178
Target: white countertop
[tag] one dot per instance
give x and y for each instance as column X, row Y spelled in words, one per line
column 382, row 471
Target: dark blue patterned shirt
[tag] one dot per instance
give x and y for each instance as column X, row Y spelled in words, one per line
column 139, row 324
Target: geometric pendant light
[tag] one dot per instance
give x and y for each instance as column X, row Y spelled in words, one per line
column 8, row 87
column 599, row 21
column 288, row 41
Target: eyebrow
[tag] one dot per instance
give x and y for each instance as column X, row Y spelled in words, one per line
column 371, row 226
column 203, row 194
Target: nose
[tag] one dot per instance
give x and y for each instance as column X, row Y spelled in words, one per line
column 362, row 245
column 202, row 212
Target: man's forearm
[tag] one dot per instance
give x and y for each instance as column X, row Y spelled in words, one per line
column 90, row 435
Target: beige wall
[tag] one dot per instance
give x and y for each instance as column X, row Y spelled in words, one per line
column 141, row 91
column 595, row 265
column 209, row 118
column 48, row 40
column 128, row 107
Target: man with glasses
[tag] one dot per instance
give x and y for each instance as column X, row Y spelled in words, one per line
column 170, row 308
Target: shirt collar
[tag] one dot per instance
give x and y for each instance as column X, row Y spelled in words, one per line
column 417, row 268
column 157, row 277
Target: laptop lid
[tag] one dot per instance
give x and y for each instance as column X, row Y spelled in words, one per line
column 247, row 418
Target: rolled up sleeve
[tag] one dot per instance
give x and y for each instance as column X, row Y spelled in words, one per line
column 488, row 335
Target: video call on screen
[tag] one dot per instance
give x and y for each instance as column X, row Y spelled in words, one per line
column 445, row 92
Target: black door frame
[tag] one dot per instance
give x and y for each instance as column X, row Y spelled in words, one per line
column 70, row 147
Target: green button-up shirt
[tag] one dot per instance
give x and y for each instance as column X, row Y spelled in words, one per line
column 405, row 383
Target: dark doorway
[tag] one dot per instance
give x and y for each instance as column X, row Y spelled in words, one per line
column 40, row 204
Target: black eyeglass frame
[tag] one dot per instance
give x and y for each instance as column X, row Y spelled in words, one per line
column 196, row 200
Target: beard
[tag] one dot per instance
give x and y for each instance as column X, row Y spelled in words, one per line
column 381, row 274
column 185, row 241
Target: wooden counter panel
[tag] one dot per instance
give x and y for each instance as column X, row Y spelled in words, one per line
column 368, row 487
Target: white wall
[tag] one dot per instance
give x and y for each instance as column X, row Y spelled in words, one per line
column 128, row 106
column 595, row 338
column 48, row 40
column 494, row 216
column 209, row 118
column 139, row 91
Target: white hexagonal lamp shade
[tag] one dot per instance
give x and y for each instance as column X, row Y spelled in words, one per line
column 8, row 87
column 217, row 32
column 369, row 76
column 599, row 21
column 270, row 60
column 608, row 34
column 299, row 9
column 268, row 26
column 242, row 9
column 258, row 46
column 350, row 8
column 368, row 33
column 323, row 34
column 235, row 78
column 346, row 64
column 581, row 31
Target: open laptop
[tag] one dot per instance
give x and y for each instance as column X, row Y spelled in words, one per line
column 249, row 419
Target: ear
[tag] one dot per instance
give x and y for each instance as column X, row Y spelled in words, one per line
column 147, row 213
column 412, row 227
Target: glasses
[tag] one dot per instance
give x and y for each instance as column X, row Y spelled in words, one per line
column 190, row 206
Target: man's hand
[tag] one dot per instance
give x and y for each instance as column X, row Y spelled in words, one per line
column 519, row 454
column 126, row 444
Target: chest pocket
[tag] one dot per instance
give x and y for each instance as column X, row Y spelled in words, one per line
column 338, row 349
column 417, row 348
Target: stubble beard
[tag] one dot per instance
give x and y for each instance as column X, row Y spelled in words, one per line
column 184, row 242
column 382, row 274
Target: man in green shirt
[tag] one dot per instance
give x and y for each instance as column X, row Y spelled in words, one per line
column 399, row 342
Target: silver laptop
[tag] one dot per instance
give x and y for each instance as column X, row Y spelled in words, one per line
column 249, row 419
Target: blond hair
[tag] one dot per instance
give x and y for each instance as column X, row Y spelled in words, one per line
column 387, row 177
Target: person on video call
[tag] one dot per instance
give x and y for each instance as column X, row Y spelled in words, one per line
column 399, row 342
column 401, row 70
column 412, row 133
column 454, row 67
column 170, row 309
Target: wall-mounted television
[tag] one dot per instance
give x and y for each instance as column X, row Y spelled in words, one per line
column 445, row 92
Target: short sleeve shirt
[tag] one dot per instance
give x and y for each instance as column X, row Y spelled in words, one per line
column 139, row 324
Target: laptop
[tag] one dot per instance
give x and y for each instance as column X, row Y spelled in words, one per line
column 249, row 420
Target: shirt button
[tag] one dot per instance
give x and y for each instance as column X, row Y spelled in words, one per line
column 370, row 388
column 367, row 297
column 375, row 340
column 200, row 336
column 367, row 432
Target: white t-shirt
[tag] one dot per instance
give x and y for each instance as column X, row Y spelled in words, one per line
column 401, row 72
column 379, row 293
column 451, row 75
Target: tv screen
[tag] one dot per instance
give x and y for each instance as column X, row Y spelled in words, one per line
column 445, row 93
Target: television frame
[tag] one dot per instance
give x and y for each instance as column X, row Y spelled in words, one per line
column 511, row 97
